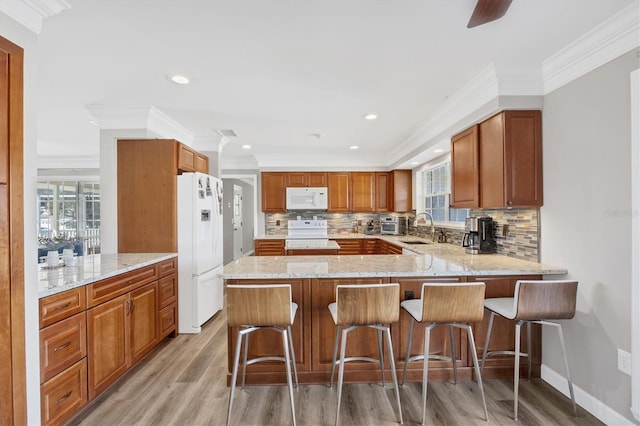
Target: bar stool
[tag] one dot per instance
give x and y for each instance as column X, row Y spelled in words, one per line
column 365, row 305
column 533, row 302
column 452, row 304
column 255, row 307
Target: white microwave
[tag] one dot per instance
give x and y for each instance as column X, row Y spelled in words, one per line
column 307, row 198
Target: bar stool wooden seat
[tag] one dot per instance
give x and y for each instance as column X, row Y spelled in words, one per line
column 533, row 302
column 255, row 307
column 452, row 304
column 365, row 305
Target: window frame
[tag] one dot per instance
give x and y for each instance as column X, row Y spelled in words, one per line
column 420, row 192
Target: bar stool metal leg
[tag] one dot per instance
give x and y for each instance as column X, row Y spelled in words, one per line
column 380, row 353
column 425, row 371
column 293, row 355
column 335, row 354
column 285, row 347
column 529, row 349
column 566, row 362
column 516, row 370
column 474, row 355
column 486, row 341
column 408, row 353
column 343, row 347
column 453, row 355
column 244, row 362
column 393, row 371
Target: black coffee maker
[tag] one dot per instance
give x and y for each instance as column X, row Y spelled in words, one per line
column 479, row 237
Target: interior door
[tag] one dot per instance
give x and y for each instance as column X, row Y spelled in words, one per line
column 237, row 222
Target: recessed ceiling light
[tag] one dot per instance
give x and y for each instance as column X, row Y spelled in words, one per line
column 438, row 150
column 94, row 122
column 246, row 146
column 354, row 147
column 371, row 116
column 180, row 79
column 414, row 163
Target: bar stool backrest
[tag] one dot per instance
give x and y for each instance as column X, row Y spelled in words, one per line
column 453, row 302
column 540, row 300
column 259, row 305
column 363, row 304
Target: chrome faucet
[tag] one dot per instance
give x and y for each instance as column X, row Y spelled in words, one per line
column 433, row 228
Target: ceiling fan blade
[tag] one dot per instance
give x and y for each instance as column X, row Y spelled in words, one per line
column 487, row 11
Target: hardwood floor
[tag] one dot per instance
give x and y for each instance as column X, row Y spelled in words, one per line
column 182, row 382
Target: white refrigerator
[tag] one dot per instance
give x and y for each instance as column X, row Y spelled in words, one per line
column 200, row 288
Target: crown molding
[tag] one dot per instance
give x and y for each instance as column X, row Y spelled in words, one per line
column 614, row 37
column 31, row 13
column 140, row 117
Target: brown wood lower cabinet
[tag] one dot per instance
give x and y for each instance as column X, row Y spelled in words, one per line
column 314, row 334
column 269, row 247
column 83, row 351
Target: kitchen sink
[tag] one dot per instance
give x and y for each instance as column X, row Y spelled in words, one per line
column 414, row 242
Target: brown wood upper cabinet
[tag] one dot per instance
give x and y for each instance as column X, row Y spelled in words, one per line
column 508, row 157
column 400, row 198
column 306, row 179
column 190, row 160
column 273, row 186
column 339, row 188
column 363, row 188
column 465, row 186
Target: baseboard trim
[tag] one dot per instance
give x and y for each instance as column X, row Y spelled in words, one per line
column 588, row 402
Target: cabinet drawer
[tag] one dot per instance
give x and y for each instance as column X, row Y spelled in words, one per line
column 167, row 267
column 65, row 394
column 109, row 288
column 348, row 246
column 167, row 320
column 167, row 290
column 62, row 305
column 62, row 344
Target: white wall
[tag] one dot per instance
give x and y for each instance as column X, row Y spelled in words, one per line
column 586, row 223
column 26, row 39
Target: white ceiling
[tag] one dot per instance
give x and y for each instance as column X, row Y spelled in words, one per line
column 279, row 71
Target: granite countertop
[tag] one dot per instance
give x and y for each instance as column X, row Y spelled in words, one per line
column 92, row 268
column 430, row 259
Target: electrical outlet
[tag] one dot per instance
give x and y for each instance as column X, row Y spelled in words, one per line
column 359, row 222
column 277, row 222
column 624, row 361
column 408, row 295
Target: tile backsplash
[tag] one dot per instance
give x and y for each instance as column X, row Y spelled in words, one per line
column 521, row 239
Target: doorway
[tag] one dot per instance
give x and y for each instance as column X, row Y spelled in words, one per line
column 237, row 222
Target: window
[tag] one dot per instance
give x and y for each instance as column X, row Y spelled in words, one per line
column 436, row 194
column 70, row 210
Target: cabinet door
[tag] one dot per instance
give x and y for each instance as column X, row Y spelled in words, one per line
column 464, row 169
column 143, row 320
column 273, row 192
column 202, row 163
column 64, row 395
column 317, row 179
column 401, row 192
column 349, row 246
column 339, row 188
column 523, row 156
column 297, row 179
column 107, row 337
column 269, row 247
column 187, row 158
column 383, row 192
column 363, row 191
column 492, row 172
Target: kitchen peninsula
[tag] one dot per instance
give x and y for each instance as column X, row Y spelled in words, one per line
column 98, row 317
column 313, row 280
